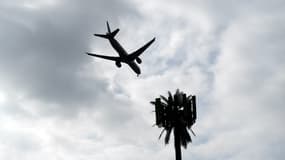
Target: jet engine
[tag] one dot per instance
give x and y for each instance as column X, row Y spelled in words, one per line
column 138, row 60
column 118, row 64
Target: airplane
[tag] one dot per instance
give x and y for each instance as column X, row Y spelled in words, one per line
column 124, row 57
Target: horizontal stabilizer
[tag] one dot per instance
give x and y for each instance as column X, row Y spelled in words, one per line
column 113, row 34
column 102, row 35
column 108, row 35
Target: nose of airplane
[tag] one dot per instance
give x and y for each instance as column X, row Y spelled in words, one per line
column 135, row 68
column 138, row 71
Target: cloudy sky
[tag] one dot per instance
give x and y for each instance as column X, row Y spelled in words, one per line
column 56, row 103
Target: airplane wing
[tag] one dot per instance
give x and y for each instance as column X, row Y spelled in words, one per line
column 105, row 57
column 138, row 52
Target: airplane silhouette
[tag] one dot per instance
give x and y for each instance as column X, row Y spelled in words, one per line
column 124, row 57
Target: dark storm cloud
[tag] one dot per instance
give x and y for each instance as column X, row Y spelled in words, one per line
column 42, row 49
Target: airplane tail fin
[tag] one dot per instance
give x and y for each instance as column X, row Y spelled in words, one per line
column 109, row 34
column 108, row 27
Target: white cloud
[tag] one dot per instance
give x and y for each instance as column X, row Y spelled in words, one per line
column 57, row 103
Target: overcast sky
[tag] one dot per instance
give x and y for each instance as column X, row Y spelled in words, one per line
column 57, row 103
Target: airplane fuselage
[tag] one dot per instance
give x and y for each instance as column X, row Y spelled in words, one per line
column 117, row 46
column 123, row 54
